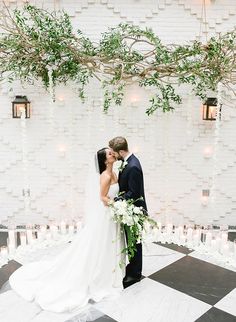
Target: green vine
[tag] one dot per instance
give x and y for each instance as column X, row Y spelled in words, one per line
column 36, row 44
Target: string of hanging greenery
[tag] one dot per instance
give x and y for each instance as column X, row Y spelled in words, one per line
column 36, row 44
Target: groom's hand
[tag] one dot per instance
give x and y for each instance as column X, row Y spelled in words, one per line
column 118, row 198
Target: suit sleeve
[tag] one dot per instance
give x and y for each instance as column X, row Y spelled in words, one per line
column 134, row 184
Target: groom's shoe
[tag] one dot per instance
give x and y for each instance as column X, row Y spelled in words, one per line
column 129, row 280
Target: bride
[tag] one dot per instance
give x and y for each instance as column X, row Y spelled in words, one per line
column 88, row 269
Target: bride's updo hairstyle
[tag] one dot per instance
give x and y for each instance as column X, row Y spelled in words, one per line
column 102, row 156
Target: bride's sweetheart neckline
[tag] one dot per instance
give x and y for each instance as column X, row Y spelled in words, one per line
column 113, row 183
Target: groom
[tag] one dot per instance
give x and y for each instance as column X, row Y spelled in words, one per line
column 131, row 183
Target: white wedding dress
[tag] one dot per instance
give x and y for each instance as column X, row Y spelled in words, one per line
column 88, row 269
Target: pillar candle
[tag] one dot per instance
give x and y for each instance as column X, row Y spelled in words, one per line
column 218, row 243
column 29, row 236
column 169, row 229
column 214, row 245
column 182, row 240
column 180, row 230
column 40, row 235
column 78, row 225
column 43, row 230
column 196, row 237
column 63, row 227
column 234, row 249
column 189, row 234
column 208, row 239
column 23, row 238
column 11, row 237
column 225, row 249
column 48, row 236
column 4, row 251
column 54, row 231
column 224, row 237
column 155, row 234
column 71, row 229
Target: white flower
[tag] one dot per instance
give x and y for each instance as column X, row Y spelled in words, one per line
column 137, row 210
column 131, row 217
column 122, row 166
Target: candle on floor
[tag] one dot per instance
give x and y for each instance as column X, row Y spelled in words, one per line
column 48, row 236
column 71, row 229
column 4, row 251
column 156, row 234
column 234, row 249
column 214, row 245
column 54, row 231
column 11, row 248
column 197, row 237
column 169, row 228
column 189, row 234
column 63, row 227
column 224, row 237
column 225, row 249
column 33, row 240
column 182, row 240
column 23, row 238
column 180, row 231
column 208, row 239
column 218, row 243
column 11, row 237
column 40, row 235
column 43, row 230
column 78, row 225
column 29, row 235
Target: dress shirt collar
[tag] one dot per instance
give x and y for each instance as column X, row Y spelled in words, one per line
column 127, row 156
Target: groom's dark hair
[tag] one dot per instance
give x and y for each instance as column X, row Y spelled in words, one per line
column 118, row 143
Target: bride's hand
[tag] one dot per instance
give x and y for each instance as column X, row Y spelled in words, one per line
column 110, row 202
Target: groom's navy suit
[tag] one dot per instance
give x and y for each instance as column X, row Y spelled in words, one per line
column 131, row 184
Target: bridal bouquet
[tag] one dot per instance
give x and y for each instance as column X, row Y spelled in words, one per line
column 133, row 220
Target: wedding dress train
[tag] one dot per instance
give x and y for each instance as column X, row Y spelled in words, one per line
column 87, row 269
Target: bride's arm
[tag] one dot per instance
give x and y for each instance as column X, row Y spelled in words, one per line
column 105, row 182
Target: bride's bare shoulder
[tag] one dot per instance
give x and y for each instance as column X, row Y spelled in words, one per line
column 114, row 176
column 105, row 176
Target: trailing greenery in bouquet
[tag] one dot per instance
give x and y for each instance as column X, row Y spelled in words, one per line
column 133, row 220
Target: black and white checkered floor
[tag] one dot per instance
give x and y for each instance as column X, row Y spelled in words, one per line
column 176, row 287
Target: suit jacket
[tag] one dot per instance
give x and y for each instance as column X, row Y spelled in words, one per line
column 131, row 181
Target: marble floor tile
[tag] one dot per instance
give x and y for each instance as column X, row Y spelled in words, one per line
column 228, row 303
column 199, row 279
column 156, row 257
column 153, row 302
column 7, row 270
column 213, row 260
column 180, row 249
column 105, row 318
column 215, row 315
column 17, row 307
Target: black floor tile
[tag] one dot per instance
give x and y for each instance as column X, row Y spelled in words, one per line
column 232, row 236
column 180, row 249
column 7, row 270
column 199, row 279
column 3, row 238
column 105, row 318
column 216, row 315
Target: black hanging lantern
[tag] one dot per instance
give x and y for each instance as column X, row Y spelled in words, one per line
column 209, row 112
column 20, row 104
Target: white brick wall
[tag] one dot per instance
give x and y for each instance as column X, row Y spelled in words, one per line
column 62, row 137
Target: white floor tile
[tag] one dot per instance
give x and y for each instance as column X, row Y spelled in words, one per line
column 156, row 257
column 228, row 303
column 214, row 260
column 149, row 301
